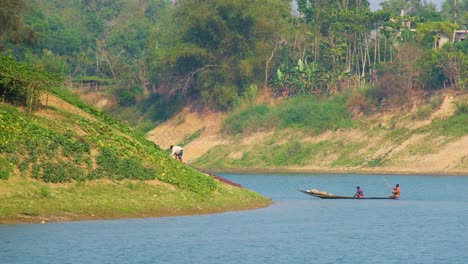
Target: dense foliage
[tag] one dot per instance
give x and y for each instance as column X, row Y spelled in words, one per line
column 67, row 147
column 22, row 84
column 152, row 55
column 221, row 47
column 13, row 29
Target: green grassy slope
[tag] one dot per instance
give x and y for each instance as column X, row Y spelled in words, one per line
column 58, row 164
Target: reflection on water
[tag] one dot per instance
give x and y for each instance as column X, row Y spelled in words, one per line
column 427, row 225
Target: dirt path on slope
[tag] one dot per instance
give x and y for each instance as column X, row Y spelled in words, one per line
column 185, row 124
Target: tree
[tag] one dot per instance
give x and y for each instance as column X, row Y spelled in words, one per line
column 340, row 35
column 395, row 7
column 429, row 33
column 13, row 29
column 22, row 84
column 456, row 11
column 53, row 34
column 453, row 64
column 220, row 47
column 100, row 12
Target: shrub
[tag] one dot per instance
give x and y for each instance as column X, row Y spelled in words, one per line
column 303, row 112
column 250, row 119
column 6, row 168
column 358, row 104
column 309, row 113
column 113, row 167
column 58, row 173
column 462, row 108
column 22, row 84
column 191, row 137
column 389, row 91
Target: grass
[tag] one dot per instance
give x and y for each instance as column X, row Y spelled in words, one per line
column 308, row 113
column 347, row 157
column 425, row 110
column 291, row 153
column 248, row 120
column 215, row 158
column 454, row 126
column 303, row 112
column 60, row 165
column 191, row 137
column 425, row 145
column 25, row 200
column 271, row 154
column 296, row 143
column 50, row 150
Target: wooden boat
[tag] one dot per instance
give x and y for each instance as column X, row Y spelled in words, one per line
column 324, row 195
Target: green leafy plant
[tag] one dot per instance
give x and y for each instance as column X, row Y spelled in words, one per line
column 6, row 168
column 22, row 84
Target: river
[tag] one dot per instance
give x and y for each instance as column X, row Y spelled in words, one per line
column 428, row 224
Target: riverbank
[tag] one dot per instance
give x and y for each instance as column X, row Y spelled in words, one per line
column 421, row 140
column 26, row 218
column 31, row 201
column 377, row 171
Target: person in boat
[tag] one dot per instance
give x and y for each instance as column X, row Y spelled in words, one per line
column 396, row 192
column 177, row 152
column 359, row 192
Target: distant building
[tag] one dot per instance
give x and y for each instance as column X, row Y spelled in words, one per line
column 460, row 35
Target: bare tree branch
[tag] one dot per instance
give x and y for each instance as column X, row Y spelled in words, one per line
column 184, row 84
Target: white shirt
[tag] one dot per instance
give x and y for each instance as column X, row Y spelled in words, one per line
column 176, row 150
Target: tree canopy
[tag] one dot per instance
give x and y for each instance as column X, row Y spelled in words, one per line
column 214, row 53
column 220, row 47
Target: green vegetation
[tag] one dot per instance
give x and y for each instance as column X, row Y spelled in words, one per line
column 56, row 163
column 251, row 119
column 22, row 84
column 153, row 57
column 36, row 142
column 24, row 200
column 454, row 126
column 191, row 137
column 6, row 168
column 363, row 143
column 308, row 113
column 426, row 110
column 301, row 112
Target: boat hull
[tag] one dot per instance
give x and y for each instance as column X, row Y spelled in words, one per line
column 331, row 196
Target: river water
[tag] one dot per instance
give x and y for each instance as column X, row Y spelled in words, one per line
column 429, row 224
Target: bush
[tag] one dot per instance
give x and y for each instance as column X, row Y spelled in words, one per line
column 303, row 112
column 250, row 119
column 462, row 108
column 6, row 168
column 22, row 84
column 113, row 167
column 309, row 113
column 358, row 104
column 389, row 91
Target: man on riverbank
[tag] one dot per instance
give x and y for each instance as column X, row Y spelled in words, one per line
column 177, row 152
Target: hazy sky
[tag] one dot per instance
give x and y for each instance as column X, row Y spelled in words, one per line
column 374, row 4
